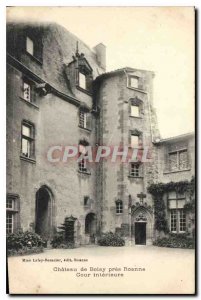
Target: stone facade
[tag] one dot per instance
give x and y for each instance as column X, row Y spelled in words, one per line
column 65, row 79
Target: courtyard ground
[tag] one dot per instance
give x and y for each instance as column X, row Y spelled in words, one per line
column 104, row 270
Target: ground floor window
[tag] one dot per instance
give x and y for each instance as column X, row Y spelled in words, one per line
column 119, row 207
column 9, row 222
column 12, row 212
column 177, row 221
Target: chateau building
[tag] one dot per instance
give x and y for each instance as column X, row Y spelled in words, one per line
column 59, row 95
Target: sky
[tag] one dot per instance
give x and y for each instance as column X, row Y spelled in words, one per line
column 160, row 39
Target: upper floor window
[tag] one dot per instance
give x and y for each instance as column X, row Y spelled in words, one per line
column 135, row 111
column 27, row 140
column 178, row 160
column 136, row 107
column 82, row 161
column 82, row 81
column 134, row 141
column 28, row 90
column 29, row 45
column 134, row 82
column 119, row 207
column 33, row 44
column 135, row 169
column 85, row 119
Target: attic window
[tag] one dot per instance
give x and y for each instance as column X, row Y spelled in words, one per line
column 82, row 81
column 84, row 73
column 29, row 45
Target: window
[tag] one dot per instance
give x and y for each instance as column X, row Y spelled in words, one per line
column 85, row 119
column 176, row 203
column 178, row 160
column 29, row 45
column 134, row 141
column 82, row 164
column 173, row 226
column 134, row 82
column 9, row 222
column 177, row 221
column 134, row 170
column 27, row 140
column 82, row 119
column 34, row 44
column 86, row 200
column 84, row 72
column 11, row 213
column 182, row 221
column 28, row 90
column 135, row 111
column 82, row 81
column 119, row 207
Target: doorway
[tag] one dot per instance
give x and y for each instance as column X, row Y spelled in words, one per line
column 140, row 233
column 90, row 227
column 43, row 215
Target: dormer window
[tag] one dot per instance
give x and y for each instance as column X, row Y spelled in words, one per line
column 82, row 81
column 33, row 44
column 80, row 73
column 134, row 82
column 29, row 45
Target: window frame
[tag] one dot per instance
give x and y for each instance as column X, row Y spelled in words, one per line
column 133, row 172
column 12, row 213
column 30, row 139
column 179, row 220
column 28, row 38
column 134, row 115
column 82, row 165
column 178, row 164
column 137, row 80
column 36, row 38
column 119, row 207
column 85, row 119
column 81, row 76
column 138, row 144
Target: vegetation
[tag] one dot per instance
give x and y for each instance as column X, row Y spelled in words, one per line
column 111, row 239
column 158, row 189
column 59, row 242
column 176, row 241
column 21, row 243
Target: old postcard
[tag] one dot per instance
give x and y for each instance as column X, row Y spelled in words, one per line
column 100, row 150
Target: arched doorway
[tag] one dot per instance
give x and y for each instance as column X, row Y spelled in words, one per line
column 142, row 225
column 90, row 227
column 44, row 213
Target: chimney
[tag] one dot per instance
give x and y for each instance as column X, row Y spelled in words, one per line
column 100, row 50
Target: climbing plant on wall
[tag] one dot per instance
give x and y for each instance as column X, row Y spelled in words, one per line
column 157, row 190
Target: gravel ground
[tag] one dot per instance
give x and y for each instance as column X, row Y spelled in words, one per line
column 104, row 270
